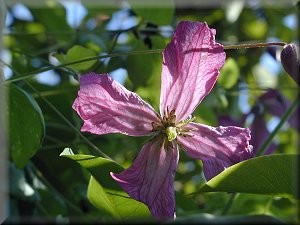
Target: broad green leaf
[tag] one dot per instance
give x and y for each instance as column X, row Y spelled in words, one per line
column 77, row 53
column 229, row 74
column 103, row 191
column 98, row 197
column 157, row 12
column 268, row 175
column 25, row 127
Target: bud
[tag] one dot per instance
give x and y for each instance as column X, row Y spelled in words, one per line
column 290, row 59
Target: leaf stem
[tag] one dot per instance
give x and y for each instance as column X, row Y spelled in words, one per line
column 284, row 118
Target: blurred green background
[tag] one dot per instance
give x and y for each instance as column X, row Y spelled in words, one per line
column 41, row 34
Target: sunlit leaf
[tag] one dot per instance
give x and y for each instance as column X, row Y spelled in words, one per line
column 77, row 53
column 26, row 125
column 256, row 29
column 103, row 192
column 229, row 74
column 268, row 175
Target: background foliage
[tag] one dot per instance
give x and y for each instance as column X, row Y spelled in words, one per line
column 42, row 40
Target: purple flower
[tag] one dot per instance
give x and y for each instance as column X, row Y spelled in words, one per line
column 271, row 103
column 191, row 64
column 276, row 104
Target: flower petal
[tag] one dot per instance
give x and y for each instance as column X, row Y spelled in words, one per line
column 229, row 144
column 107, row 107
column 150, row 178
column 212, row 167
column 191, row 64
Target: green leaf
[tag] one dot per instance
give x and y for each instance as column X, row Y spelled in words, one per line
column 26, row 125
column 104, row 192
column 77, row 53
column 155, row 11
column 229, row 74
column 268, row 175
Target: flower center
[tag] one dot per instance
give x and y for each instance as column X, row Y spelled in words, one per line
column 171, row 133
column 168, row 127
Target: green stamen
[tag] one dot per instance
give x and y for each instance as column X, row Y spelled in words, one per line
column 185, row 122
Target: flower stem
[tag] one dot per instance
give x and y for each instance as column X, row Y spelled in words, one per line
column 284, row 118
column 152, row 51
column 31, row 74
column 253, row 45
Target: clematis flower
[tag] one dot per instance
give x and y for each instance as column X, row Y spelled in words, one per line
column 191, row 64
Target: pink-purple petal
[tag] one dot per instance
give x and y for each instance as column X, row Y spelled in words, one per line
column 106, row 106
column 229, row 144
column 150, row 178
column 191, row 64
column 212, row 167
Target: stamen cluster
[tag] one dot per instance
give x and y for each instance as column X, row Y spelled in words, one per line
column 169, row 127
